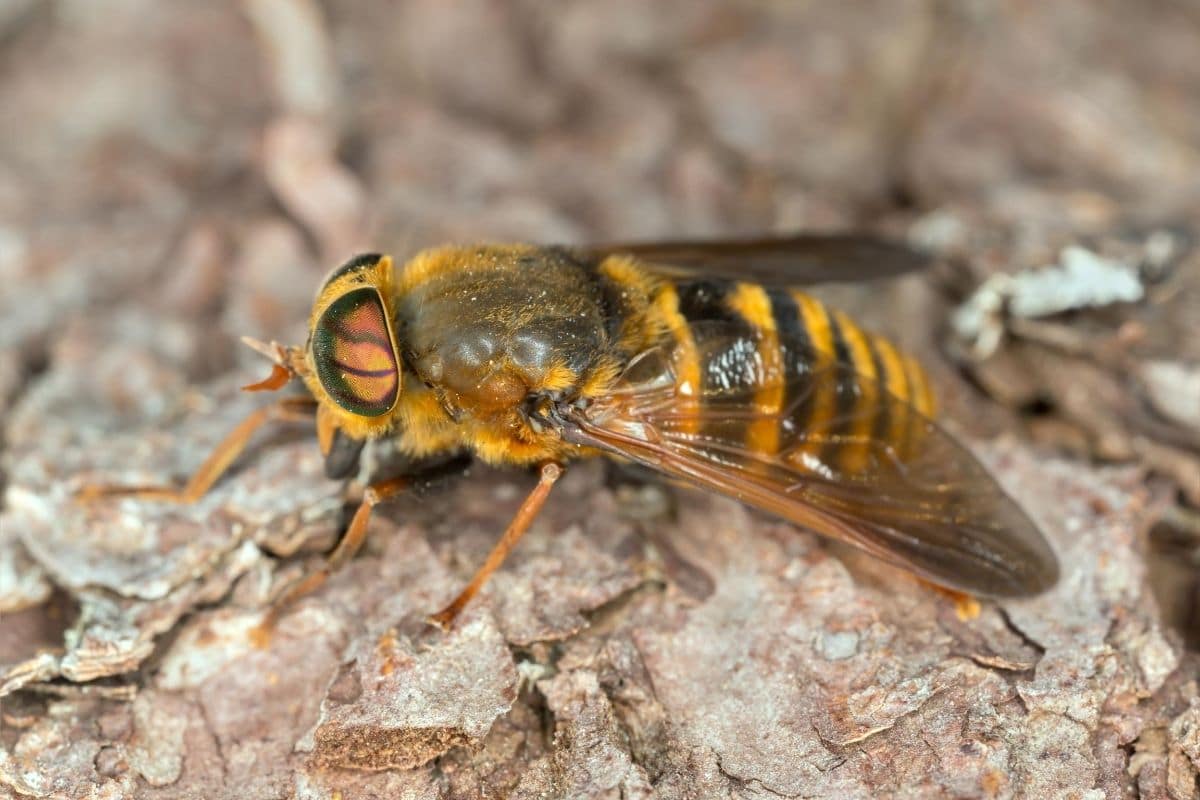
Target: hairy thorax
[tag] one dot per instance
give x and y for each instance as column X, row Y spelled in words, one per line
column 488, row 332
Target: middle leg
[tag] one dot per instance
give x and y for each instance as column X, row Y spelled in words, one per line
column 425, row 475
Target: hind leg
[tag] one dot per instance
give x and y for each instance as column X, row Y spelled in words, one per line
column 549, row 475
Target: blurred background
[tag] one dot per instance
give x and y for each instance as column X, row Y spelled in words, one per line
column 174, row 175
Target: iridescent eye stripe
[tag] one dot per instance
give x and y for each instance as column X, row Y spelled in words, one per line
column 364, row 354
column 353, row 354
column 364, row 373
column 361, row 343
column 363, row 323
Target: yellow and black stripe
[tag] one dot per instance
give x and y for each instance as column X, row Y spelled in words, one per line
column 817, row 380
column 727, row 353
column 686, row 360
column 753, row 305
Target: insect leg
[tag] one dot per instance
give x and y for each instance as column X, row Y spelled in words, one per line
column 549, row 475
column 225, row 453
column 966, row 607
column 347, row 547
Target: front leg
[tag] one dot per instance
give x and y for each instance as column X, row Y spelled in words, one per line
column 218, row 462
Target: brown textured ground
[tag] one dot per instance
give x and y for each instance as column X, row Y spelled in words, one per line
column 174, row 175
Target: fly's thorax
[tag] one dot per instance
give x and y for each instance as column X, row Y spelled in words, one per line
column 490, row 331
column 488, row 326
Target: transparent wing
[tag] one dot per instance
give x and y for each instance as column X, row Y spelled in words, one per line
column 784, row 261
column 912, row 496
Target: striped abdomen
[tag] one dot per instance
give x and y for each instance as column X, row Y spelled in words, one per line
column 783, row 375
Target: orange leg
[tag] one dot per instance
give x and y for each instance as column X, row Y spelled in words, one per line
column 352, row 540
column 288, row 409
column 966, row 607
column 550, row 473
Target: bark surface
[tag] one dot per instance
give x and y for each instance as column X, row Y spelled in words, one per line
column 173, row 176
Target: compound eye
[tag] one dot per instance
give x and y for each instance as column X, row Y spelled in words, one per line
column 361, row 261
column 353, row 354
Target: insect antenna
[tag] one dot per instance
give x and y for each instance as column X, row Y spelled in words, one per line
column 287, row 363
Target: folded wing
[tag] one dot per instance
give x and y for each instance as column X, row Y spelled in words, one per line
column 897, row 485
column 773, row 261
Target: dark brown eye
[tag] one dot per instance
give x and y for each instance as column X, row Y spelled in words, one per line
column 353, row 354
column 361, row 261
